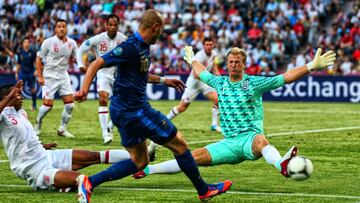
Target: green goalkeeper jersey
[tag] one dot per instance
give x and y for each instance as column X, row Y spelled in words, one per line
column 240, row 103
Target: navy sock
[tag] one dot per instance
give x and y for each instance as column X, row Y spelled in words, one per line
column 188, row 166
column 116, row 171
column 33, row 96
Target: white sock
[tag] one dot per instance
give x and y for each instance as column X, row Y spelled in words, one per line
column 215, row 115
column 103, row 118
column 113, row 156
column 43, row 110
column 110, row 125
column 165, row 167
column 66, row 115
column 152, row 146
column 272, row 156
column 174, row 112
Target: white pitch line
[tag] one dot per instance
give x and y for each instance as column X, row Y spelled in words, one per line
column 290, row 133
column 230, row 192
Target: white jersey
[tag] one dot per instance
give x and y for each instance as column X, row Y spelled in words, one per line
column 56, row 54
column 203, row 58
column 21, row 144
column 102, row 44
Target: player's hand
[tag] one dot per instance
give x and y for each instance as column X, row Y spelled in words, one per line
column 175, row 83
column 15, row 93
column 49, row 145
column 83, row 69
column 321, row 61
column 80, row 96
column 19, row 85
column 188, row 54
column 41, row 81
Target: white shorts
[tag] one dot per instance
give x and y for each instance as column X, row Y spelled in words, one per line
column 105, row 83
column 193, row 88
column 45, row 170
column 52, row 85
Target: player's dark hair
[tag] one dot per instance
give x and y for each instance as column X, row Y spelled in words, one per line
column 207, row 39
column 59, row 20
column 5, row 90
column 112, row 16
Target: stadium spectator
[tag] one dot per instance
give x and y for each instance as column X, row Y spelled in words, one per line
column 273, row 18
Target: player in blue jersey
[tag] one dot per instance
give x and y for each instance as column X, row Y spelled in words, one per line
column 25, row 69
column 135, row 119
column 241, row 113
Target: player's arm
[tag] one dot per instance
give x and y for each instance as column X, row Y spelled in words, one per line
column 13, row 95
column 199, row 69
column 84, row 47
column 320, row 62
column 196, row 66
column 39, row 70
column 41, row 54
column 49, row 146
column 175, row 83
column 81, row 95
column 17, row 71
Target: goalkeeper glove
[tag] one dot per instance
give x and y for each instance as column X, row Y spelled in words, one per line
column 188, row 54
column 321, row 61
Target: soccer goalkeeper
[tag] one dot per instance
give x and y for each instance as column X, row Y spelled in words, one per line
column 241, row 113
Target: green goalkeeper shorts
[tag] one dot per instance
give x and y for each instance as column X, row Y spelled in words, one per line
column 232, row 150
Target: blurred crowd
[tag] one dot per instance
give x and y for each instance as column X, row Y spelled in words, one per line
column 277, row 34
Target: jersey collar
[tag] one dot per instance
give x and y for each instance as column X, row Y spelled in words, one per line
column 138, row 36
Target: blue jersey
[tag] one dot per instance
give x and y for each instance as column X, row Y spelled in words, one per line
column 26, row 60
column 132, row 60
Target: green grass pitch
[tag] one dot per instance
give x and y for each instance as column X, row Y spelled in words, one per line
column 326, row 133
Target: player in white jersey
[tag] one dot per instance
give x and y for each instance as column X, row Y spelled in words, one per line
column 42, row 169
column 194, row 87
column 102, row 43
column 53, row 76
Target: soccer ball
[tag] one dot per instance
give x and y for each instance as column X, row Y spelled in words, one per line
column 300, row 168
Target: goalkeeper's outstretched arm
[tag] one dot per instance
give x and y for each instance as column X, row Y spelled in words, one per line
column 320, row 62
column 196, row 66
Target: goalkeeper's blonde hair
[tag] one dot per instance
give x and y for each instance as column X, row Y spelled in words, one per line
column 237, row 51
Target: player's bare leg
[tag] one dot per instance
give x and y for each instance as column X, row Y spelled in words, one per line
column 188, row 165
column 262, row 147
column 65, row 179
column 104, row 116
column 181, row 107
column 43, row 110
column 66, row 116
column 84, row 158
column 212, row 96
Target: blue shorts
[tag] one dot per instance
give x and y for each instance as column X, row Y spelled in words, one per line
column 135, row 127
column 29, row 80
